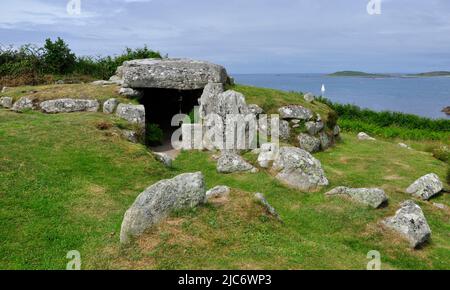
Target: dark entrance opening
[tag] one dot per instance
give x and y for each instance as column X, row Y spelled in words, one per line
column 160, row 107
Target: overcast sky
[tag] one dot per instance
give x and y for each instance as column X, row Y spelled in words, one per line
column 247, row 36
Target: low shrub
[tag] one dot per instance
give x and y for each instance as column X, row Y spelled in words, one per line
column 154, row 135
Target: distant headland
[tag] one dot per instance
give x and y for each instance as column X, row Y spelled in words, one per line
column 378, row 75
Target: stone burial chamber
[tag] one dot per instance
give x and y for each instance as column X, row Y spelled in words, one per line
column 167, row 87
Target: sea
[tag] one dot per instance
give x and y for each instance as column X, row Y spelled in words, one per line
column 423, row 96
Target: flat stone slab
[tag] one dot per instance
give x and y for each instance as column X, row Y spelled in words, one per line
column 69, row 106
column 374, row 197
column 180, row 74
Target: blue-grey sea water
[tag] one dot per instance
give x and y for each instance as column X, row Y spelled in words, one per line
column 420, row 96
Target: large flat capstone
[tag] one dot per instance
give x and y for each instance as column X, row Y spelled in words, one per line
column 180, row 74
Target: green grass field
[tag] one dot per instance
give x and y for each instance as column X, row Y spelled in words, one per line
column 65, row 185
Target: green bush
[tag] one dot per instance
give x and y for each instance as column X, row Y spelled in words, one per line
column 392, row 131
column 57, row 57
column 448, row 174
column 332, row 119
column 154, row 135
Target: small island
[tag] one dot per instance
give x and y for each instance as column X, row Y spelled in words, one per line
column 432, row 74
column 357, row 74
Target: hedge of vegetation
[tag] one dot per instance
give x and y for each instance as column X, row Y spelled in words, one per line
column 31, row 65
column 389, row 124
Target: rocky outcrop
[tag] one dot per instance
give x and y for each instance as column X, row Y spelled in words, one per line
column 103, row 83
column 6, row 102
column 230, row 162
column 159, row 200
column 309, row 97
column 22, row 104
column 130, row 93
column 110, row 105
column 69, row 106
column 364, row 136
column 132, row 113
column 374, row 197
column 336, row 130
column 325, row 140
column 299, row 169
column 426, row 187
column 180, row 74
column 267, row 154
column 130, row 135
column 285, row 130
column 163, row 158
column 267, row 206
column 309, row 143
column 295, row 112
column 403, row 145
column 410, row 222
column 255, row 109
column 210, row 99
column 314, row 128
column 218, row 192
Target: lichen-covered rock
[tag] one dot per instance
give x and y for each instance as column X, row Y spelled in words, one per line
column 69, row 106
column 374, row 197
column 285, row 130
column 267, row 154
column 209, row 101
column 6, row 102
column 336, row 130
column 267, row 206
column 180, row 74
column 230, row 162
column 102, row 83
column 410, row 222
column 163, row 158
column 110, row 105
column 403, row 145
column 130, row 135
column 309, row 97
column 299, row 169
column 255, row 109
column 426, row 187
column 159, row 200
column 314, row 128
column 295, row 112
column 217, row 192
column 132, row 113
column 309, row 143
column 22, row 104
column 130, row 93
column 364, row 136
column 325, row 140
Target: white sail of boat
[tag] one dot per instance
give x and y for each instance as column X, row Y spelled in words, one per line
column 323, row 89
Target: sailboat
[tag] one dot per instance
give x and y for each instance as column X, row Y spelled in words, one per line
column 323, row 89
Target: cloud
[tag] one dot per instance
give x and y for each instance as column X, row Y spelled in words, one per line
column 250, row 35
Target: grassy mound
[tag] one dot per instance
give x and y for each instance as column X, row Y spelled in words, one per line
column 73, row 91
column 65, row 185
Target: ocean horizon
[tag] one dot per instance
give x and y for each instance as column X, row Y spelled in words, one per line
column 422, row 96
